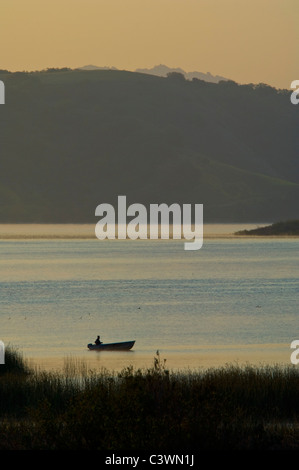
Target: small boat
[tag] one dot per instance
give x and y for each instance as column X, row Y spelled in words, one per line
column 124, row 346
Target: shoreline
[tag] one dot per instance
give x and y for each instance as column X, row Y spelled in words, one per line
column 71, row 231
column 89, row 237
column 87, row 230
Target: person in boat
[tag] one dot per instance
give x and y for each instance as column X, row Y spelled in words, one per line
column 98, row 341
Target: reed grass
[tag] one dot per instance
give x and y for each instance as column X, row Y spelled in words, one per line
column 231, row 407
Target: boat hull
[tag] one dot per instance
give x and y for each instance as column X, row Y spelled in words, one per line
column 124, row 346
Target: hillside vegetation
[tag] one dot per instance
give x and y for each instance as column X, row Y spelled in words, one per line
column 72, row 139
column 289, row 228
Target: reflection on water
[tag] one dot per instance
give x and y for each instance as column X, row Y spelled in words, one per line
column 204, row 358
column 233, row 300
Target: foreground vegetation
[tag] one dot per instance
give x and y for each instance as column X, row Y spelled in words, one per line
column 232, row 408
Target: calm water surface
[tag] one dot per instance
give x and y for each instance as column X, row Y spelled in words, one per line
column 235, row 299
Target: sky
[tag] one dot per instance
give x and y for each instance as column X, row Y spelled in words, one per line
column 249, row 41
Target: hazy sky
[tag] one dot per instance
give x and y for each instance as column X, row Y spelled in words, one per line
column 245, row 40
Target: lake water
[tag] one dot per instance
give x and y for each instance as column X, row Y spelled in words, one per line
column 235, row 300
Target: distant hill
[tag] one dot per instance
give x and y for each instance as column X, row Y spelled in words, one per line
column 95, row 67
column 163, row 71
column 289, row 228
column 72, row 139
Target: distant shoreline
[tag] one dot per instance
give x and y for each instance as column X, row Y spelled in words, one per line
column 19, row 232
column 288, row 228
column 87, row 237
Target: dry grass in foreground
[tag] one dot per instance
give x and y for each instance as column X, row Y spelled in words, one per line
column 231, row 408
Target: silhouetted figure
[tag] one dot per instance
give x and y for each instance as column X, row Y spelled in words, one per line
column 97, row 341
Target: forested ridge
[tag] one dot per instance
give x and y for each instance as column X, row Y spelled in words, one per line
column 72, row 139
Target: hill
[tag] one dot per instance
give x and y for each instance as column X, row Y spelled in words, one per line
column 72, row 139
column 163, row 70
column 288, row 228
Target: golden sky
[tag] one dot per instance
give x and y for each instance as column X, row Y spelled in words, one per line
column 249, row 41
